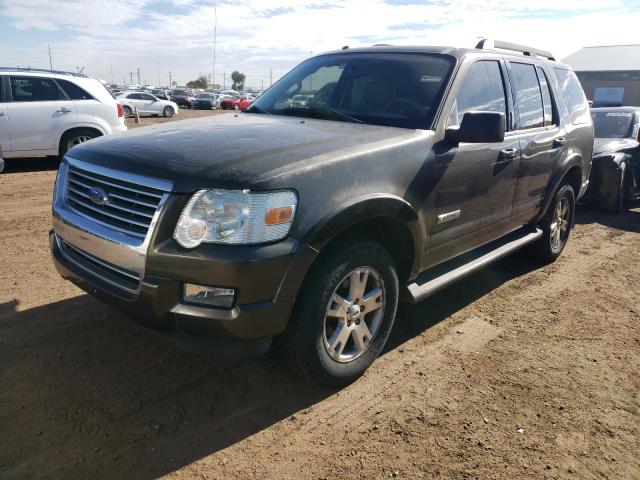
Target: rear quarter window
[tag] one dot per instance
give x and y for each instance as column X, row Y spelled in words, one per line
column 573, row 96
column 73, row 91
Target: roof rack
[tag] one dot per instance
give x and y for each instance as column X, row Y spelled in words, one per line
column 529, row 51
column 41, row 70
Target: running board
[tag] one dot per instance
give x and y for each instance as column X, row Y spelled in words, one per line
column 441, row 276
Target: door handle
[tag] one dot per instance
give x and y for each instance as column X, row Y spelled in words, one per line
column 559, row 142
column 508, row 154
column 63, row 110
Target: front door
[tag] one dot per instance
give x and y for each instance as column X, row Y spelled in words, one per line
column 473, row 196
column 5, row 139
column 38, row 114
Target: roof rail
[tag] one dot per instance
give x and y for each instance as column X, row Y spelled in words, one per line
column 529, row 51
column 41, row 70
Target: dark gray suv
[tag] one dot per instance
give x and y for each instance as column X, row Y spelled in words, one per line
column 300, row 226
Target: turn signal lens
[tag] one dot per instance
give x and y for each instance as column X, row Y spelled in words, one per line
column 275, row 216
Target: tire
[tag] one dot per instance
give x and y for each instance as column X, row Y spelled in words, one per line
column 335, row 350
column 168, row 112
column 556, row 225
column 76, row 137
column 126, row 110
column 617, row 201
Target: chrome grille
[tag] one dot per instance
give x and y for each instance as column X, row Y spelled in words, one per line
column 130, row 207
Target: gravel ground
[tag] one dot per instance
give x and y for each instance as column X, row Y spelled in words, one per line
column 520, row 371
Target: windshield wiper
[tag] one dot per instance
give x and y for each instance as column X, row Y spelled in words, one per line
column 322, row 112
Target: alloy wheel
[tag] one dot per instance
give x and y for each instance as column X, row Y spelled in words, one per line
column 354, row 314
column 560, row 225
column 78, row 140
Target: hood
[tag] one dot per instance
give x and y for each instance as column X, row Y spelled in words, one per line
column 234, row 150
column 611, row 145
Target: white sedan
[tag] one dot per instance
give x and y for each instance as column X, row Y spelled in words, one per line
column 146, row 104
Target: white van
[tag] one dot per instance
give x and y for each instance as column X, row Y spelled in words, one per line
column 46, row 113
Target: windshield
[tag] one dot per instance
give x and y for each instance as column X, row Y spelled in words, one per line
column 180, row 92
column 612, row 124
column 204, row 95
column 390, row 89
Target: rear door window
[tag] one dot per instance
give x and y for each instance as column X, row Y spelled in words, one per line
column 134, row 96
column 528, row 98
column 482, row 90
column 547, row 101
column 573, row 95
column 34, row 89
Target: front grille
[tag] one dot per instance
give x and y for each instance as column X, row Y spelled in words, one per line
column 113, row 275
column 130, row 207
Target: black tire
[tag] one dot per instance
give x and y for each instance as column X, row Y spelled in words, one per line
column 126, row 110
column 76, row 137
column 618, row 200
column 304, row 346
column 168, row 111
column 551, row 245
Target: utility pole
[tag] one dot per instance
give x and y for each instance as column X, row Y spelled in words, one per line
column 50, row 62
column 215, row 37
column 131, row 77
column 224, row 79
column 111, row 67
column 262, row 85
column 170, row 82
column 159, row 74
column 138, row 76
column 270, row 76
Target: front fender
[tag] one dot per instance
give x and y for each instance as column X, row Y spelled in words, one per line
column 367, row 208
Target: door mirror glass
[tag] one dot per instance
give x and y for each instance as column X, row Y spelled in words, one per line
column 478, row 127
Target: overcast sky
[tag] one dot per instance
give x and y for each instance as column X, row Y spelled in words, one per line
column 111, row 38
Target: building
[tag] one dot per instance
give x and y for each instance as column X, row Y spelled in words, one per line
column 610, row 75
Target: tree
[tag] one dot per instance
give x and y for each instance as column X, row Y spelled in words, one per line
column 201, row 82
column 238, row 80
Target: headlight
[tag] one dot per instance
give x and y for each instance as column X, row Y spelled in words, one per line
column 235, row 217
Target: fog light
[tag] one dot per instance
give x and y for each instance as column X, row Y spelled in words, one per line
column 209, row 296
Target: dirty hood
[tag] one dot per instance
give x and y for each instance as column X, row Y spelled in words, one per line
column 611, row 145
column 233, row 150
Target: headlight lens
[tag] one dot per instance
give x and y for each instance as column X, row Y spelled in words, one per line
column 235, row 217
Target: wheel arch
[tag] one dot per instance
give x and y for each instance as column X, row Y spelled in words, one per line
column 571, row 171
column 99, row 131
column 388, row 219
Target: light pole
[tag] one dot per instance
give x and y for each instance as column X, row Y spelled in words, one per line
column 215, row 39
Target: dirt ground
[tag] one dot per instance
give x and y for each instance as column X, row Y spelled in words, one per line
column 520, row 371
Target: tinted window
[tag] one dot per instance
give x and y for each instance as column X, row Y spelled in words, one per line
column 390, row 89
column 612, row 124
column 573, row 95
column 482, row 90
column 147, row 97
column 73, row 91
column 546, row 97
column 527, row 96
column 33, row 89
column 135, row 96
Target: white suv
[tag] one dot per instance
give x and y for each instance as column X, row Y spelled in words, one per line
column 46, row 113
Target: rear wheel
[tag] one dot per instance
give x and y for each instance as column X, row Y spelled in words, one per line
column 556, row 225
column 76, row 137
column 617, row 201
column 127, row 111
column 344, row 314
column 168, row 112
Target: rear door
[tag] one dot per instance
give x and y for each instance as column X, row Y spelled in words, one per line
column 5, row 139
column 542, row 140
column 39, row 113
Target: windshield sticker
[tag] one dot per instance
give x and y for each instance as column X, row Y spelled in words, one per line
column 620, row 114
column 430, row 79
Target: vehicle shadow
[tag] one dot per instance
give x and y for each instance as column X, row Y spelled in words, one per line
column 24, row 165
column 628, row 221
column 87, row 394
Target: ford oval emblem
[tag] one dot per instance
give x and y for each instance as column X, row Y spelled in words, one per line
column 98, row 196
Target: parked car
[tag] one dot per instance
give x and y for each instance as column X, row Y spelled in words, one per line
column 312, row 228
column 230, row 103
column 205, row 101
column 300, row 100
column 615, row 172
column 245, row 102
column 230, row 93
column 183, row 98
column 146, row 104
column 46, row 112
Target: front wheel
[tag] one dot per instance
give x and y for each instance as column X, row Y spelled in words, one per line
column 344, row 314
column 168, row 112
column 556, row 225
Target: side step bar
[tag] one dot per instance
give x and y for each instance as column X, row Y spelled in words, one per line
column 441, row 276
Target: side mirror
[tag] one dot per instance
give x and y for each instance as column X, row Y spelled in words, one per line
column 478, row 127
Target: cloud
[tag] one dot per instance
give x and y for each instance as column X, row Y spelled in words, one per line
column 267, row 37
